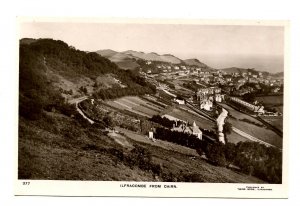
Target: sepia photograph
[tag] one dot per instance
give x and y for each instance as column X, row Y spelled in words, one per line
column 152, row 107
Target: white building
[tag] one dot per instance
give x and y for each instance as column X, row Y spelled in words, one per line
column 179, row 101
column 206, row 105
column 219, row 97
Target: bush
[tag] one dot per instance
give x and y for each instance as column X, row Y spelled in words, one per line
column 162, row 121
column 216, row 154
column 30, row 109
column 192, row 177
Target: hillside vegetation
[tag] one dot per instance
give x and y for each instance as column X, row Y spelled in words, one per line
column 45, row 62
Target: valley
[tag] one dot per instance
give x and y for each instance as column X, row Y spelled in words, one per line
column 124, row 116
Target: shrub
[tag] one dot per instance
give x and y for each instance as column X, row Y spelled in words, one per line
column 216, row 154
column 30, row 109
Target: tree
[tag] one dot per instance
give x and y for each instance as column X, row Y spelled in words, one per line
column 216, row 154
column 230, row 153
column 227, row 129
column 108, row 120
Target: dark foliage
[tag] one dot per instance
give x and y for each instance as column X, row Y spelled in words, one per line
column 162, row 121
column 180, row 138
column 36, row 90
column 253, row 158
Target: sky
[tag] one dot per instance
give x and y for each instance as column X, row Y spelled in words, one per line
column 219, row 46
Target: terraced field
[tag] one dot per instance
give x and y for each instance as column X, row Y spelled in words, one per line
column 136, row 105
column 186, row 116
column 239, row 115
column 275, row 121
column 259, row 132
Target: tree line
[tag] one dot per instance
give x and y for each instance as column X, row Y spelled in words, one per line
column 251, row 157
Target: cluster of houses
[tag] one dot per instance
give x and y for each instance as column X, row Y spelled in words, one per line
column 206, row 97
column 175, row 69
column 215, row 77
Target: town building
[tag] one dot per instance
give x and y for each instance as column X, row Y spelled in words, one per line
column 219, row 97
column 251, row 107
column 179, row 101
column 206, row 105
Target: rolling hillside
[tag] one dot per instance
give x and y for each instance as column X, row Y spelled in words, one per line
column 231, row 70
column 51, row 71
column 107, row 53
column 154, row 57
column 128, row 59
column 196, row 62
column 234, row 70
column 124, row 61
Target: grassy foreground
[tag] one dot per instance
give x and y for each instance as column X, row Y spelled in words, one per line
column 58, row 147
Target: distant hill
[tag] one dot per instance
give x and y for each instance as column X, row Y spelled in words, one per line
column 107, row 53
column 279, row 75
column 231, row 70
column 128, row 59
column 234, row 70
column 196, row 62
column 124, row 61
column 154, row 57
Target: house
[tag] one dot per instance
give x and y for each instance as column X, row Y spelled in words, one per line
column 150, row 135
column 193, row 130
column 179, row 101
column 260, row 110
column 275, row 90
column 219, row 97
column 206, row 105
column 228, row 79
column 207, row 91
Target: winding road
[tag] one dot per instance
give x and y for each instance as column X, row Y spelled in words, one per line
column 76, row 102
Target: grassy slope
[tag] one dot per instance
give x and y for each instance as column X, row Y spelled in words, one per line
column 58, row 147
column 259, row 132
column 271, row 100
column 75, row 153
